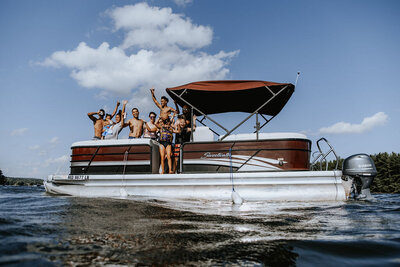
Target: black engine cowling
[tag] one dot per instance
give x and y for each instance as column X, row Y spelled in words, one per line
column 361, row 169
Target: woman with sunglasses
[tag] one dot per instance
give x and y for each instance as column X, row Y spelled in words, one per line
column 150, row 128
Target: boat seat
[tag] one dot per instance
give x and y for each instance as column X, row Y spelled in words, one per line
column 203, row 134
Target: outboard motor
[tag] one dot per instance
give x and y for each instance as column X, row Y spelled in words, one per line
column 360, row 169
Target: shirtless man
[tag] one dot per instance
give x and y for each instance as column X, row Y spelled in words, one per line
column 165, row 111
column 135, row 125
column 98, row 123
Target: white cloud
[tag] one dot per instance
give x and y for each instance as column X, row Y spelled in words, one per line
column 54, row 140
column 112, row 70
column 183, row 2
column 166, row 54
column 367, row 124
column 35, row 147
column 154, row 27
column 19, row 132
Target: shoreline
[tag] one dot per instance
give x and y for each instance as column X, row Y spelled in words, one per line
column 14, row 181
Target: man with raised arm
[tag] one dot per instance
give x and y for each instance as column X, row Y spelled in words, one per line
column 116, row 128
column 98, row 123
column 108, row 121
column 135, row 125
column 165, row 111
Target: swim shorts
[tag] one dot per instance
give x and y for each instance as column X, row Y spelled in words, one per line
column 177, row 150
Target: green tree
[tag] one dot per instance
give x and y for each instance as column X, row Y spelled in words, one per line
column 387, row 179
column 3, row 179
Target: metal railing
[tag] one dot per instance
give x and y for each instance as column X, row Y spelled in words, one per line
column 321, row 156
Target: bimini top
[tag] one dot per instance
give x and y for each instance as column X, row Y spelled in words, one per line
column 212, row 97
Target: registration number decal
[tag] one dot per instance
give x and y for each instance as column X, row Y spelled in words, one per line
column 78, row 177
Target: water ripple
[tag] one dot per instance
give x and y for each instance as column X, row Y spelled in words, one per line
column 38, row 229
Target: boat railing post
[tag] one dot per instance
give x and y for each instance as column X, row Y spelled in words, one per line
column 181, row 158
column 257, row 127
column 191, row 124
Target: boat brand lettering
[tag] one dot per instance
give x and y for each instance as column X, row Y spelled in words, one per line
column 78, row 177
column 214, row 155
column 365, row 166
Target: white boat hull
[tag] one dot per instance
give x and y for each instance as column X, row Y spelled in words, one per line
column 254, row 186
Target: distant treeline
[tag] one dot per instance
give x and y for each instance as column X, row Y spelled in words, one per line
column 388, row 167
column 19, row 181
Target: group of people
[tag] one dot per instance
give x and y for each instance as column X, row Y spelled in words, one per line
column 162, row 129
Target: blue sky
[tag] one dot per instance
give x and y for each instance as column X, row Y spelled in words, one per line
column 63, row 59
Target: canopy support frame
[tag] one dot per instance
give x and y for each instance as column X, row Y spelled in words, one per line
column 198, row 110
column 228, row 132
column 266, row 121
column 256, row 111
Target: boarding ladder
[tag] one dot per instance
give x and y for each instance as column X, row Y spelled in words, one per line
column 320, row 156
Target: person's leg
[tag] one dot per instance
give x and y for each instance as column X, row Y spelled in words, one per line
column 175, row 164
column 176, row 156
column 162, row 157
column 168, row 151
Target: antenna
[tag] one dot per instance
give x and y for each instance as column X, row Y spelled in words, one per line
column 297, row 77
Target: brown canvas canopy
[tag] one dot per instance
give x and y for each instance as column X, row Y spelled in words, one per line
column 210, row 97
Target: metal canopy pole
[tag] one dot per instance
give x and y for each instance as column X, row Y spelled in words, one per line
column 256, row 111
column 246, row 119
column 266, row 121
column 297, row 78
column 201, row 121
column 202, row 113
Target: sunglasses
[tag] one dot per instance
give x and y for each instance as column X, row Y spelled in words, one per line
column 152, row 116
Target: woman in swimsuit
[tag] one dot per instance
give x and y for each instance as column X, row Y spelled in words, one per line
column 150, row 128
column 165, row 140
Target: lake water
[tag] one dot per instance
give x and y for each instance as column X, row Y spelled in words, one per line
column 41, row 230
